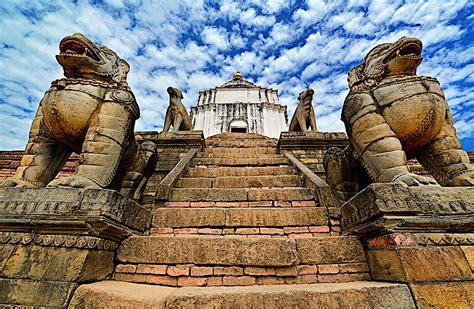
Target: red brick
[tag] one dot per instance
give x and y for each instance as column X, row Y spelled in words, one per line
column 152, row 269
column 201, row 271
column 214, row 281
column 176, row 271
column 270, row 280
column 126, row 268
column 130, row 277
column 242, row 280
column 303, row 203
column 334, row 278
column 354, row 268
column 229, row 271
column 282, row 203
column 161, row 230
column 271, row 231
column 301, row 235
column 328, row 269
column 228, row 231
column 296, row 229
column 261, row 204
column 202, row 204
column 247, row 230
column 308, row 278
column 232, row 204
column 210, row 231
column 177, row 204
column 307, row 269
column 291, row 280
column 286, row 271
column 259, row 271
column 191, row 281
column 162, row 280
column 319, row 229
column 190, row 230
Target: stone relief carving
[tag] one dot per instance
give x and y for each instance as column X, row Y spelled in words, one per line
column 392, row 114
column 176, row 114
column 91, row 112
column 304, row 116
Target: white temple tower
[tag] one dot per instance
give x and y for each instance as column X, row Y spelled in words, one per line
column 239, row 106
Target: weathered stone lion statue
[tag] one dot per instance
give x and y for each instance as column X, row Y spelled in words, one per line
column 392, row 114
column 304, row 116
column 176, row 114
column 91, row 112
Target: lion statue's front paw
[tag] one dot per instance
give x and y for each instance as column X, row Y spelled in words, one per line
column 411, row 179
column 74, row 181
column 462, row 180
column 18, row 183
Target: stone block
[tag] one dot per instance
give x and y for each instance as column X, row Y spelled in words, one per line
column 280, row 194
column 211, row 195
column 256, row 181
column 240, row 171
column 444, row 294
column 29, row 292
column 188, row 217
column 419, row 264
column 330, row 250
column 208, row 251
column 275, row 217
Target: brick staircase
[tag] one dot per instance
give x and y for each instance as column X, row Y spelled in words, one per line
column 241, row 216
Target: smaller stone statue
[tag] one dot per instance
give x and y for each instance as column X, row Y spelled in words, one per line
column 91, row 112
column 176, row 114
column 391, row 114
column 304, row 116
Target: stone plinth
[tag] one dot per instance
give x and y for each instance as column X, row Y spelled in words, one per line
column 51, row 240
column 422, row 236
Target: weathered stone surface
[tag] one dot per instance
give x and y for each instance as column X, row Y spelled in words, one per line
column 391, row 114
column 280, row 194
column 208, row 251
column 94, row 98
column 328, row 295
column 330, row 250
column 204, row 194
column 275, row 216
column 240, row 171
column 36, row 293
column 420, row 264
column 469, row 254
column 189, row 217
column 194, row 182
column 444, row 294
column 264, row 160
column 46, row 209
column 256, row 181
column 55, row 263
column 390, row 207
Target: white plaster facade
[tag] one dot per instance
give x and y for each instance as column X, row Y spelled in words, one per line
column 239, row 106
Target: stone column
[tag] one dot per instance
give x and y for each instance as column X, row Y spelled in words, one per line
column 422, row 236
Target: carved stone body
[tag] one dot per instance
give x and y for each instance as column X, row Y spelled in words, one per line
column 392, row 114
column 91, row 112
column 304, row 116
column 176, row 114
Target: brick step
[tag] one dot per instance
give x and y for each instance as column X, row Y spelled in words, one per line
column 217, row 151
column 240, row 171
column 271, row 217
column 244, row 252
column 241, row 194
column 280, row 160
column 240, row 182
column 364, row 294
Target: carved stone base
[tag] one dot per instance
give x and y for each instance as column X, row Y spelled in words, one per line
column 53, row 239
column 422, row 236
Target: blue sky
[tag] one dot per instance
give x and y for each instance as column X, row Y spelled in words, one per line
column 195, row 45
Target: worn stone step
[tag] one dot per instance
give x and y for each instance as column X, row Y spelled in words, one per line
column 218, row 151
column 239, row 217
column 277, row 160
column 240, row 171
column 361, row 294
column 240, row 182
column 230, row 251
column 242, row 194
column 232, row 155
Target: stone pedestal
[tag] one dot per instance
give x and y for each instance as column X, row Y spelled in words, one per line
column 422, row 236
column 51, row 240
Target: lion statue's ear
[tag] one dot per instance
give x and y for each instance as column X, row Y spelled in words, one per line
column 120, row 75
column 355, row 76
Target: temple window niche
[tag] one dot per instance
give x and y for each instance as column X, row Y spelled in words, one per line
column 239, row 106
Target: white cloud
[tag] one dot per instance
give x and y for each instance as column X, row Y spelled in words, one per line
column 216, row 37
column 250, row 17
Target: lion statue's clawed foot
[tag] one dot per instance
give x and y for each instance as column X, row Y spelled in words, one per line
column 18, row 183
column 411, row 179
column 74, row 181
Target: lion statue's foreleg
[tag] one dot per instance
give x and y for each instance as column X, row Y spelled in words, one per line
column 445, row 159
column 44, row 156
